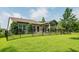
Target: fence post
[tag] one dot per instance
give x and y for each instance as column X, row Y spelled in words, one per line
column 20, row 32
column 6, row 34
column 32, row 30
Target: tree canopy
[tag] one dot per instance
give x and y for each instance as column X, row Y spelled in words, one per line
column 14, row 28
column 69, row 21
column 43, row 20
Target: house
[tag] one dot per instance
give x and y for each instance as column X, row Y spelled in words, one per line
column 23, row 24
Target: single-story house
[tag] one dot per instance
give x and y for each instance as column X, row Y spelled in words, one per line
column 23, row 24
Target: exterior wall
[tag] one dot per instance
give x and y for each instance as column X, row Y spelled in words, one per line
column 9, row 24
column 36, row 28
column 26, row 25
column 41, row 28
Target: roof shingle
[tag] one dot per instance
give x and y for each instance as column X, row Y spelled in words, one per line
column 25, row 20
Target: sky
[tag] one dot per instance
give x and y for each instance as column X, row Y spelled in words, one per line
column 35, row 13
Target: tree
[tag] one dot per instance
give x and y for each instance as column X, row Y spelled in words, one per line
column 43, row 19
column 0, row 29
column 53, row 25
column 14, row 28
column 69, row 20
column 43, row 28
column 76, row 26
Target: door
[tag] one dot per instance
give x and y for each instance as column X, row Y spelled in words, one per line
column 37, row 28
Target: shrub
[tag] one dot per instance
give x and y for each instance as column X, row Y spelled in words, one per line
column 2, row 33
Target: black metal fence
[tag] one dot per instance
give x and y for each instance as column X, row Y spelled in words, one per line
column 10, row 36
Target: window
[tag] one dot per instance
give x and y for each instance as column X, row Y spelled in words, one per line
column 19, row 26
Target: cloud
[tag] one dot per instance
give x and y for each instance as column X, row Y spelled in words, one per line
column 76, row 12
column 18, row 15
column 4, row 18
column 39, row 12
column 5, row 14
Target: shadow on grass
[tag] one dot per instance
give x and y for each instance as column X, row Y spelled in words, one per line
column 72, row 50
column 75, row 38
column 8, row 49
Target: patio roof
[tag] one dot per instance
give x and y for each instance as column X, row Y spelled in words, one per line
column 25, row 20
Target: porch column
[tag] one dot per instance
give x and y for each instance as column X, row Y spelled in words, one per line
column 22, row 27
column 49, row 27
column 35, row 28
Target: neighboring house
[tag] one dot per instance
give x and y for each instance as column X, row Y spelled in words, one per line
column 23, row 24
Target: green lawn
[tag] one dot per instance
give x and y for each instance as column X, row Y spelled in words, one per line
column 51, row 43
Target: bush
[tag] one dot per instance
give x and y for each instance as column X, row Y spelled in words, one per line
column 1, row 33
column 14, row 28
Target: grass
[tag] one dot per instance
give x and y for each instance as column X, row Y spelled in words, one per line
column 49, row 43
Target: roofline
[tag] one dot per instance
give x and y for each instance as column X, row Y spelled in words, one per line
column 40, row 23
column 21, row 18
